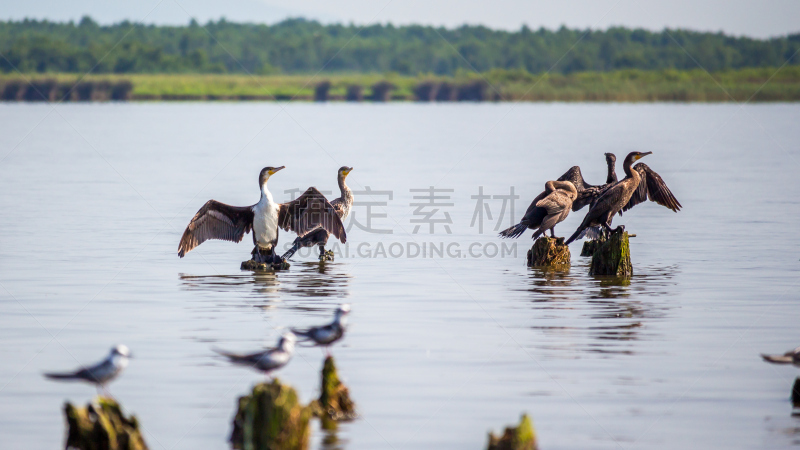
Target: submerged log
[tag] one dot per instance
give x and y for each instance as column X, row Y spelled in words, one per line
column 521, row 437
column 548, row 252
column 613, row 257
column 102, row 426
column 271, row 417
column 334, row 401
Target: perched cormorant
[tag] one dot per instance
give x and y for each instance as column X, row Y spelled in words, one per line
column 100, row 373
column 268, row 360
column 613, row 199
column 320, row 237
column 790, row 357
column 306, row 214
column 327, row 334
column 547, row 210
column 640, row 184
column 588, row 192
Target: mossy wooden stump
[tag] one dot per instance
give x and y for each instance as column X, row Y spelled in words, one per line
column 613, row 257
column 271, row 418
column 102, row 426
column 591, row 246
column 334, row 401
column 263, row 267
column 548, row 252
column 521, row 437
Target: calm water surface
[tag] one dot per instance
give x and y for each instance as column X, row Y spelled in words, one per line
column 443, row 349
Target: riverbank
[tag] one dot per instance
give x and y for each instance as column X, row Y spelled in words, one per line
column 762, row 84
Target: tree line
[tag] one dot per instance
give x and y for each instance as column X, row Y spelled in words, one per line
column 304, row 46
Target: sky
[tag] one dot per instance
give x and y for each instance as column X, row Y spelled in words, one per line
column 756, row 18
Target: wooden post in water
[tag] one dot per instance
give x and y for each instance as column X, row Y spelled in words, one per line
column 613, row 257
column 102, row 426
column 548, row 252
column 521, row 437
column 271, row 418
column 334, row 402
column 796, row 393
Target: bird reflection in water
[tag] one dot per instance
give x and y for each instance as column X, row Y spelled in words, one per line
column 304, row 279
column 612, row 312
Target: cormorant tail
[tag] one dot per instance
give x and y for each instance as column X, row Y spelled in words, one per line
column 575, row 235
column 514, row 231
column 591, row 233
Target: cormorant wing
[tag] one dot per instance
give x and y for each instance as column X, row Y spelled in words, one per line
column 555, row 203
column 607, row 200
column 651, row 186
column 216, row 220
column 309, row 212
column 574, row 175
column 338, row 205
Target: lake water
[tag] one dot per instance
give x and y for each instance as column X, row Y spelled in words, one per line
column 440, row 349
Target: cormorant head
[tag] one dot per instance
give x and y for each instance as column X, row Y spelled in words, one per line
column 635, row 156
column 267, row 172
column 611, row 158
column 344, row 171
column 121, row 350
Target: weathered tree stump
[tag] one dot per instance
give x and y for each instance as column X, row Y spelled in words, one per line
column 548, row 252
column 521, row 437
column 271, row 418
column 334, row 401
column 590, row 246
column 613, row 257
column 102, row 426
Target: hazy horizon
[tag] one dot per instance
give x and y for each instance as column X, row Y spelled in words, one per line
column 742, row 18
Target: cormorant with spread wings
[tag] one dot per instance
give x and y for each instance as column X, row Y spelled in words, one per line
column 640, row 184
column 306, row 214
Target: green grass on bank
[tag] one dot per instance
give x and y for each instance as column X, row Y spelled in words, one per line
column 761, row 84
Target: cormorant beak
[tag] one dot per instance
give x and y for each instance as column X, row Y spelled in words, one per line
column 273, row 171
column 642, row 155
column 347, row 171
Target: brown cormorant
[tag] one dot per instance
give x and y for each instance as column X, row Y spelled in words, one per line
column 303, row 215
column 547, row 210
column 342, row 205
column 639, row 183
